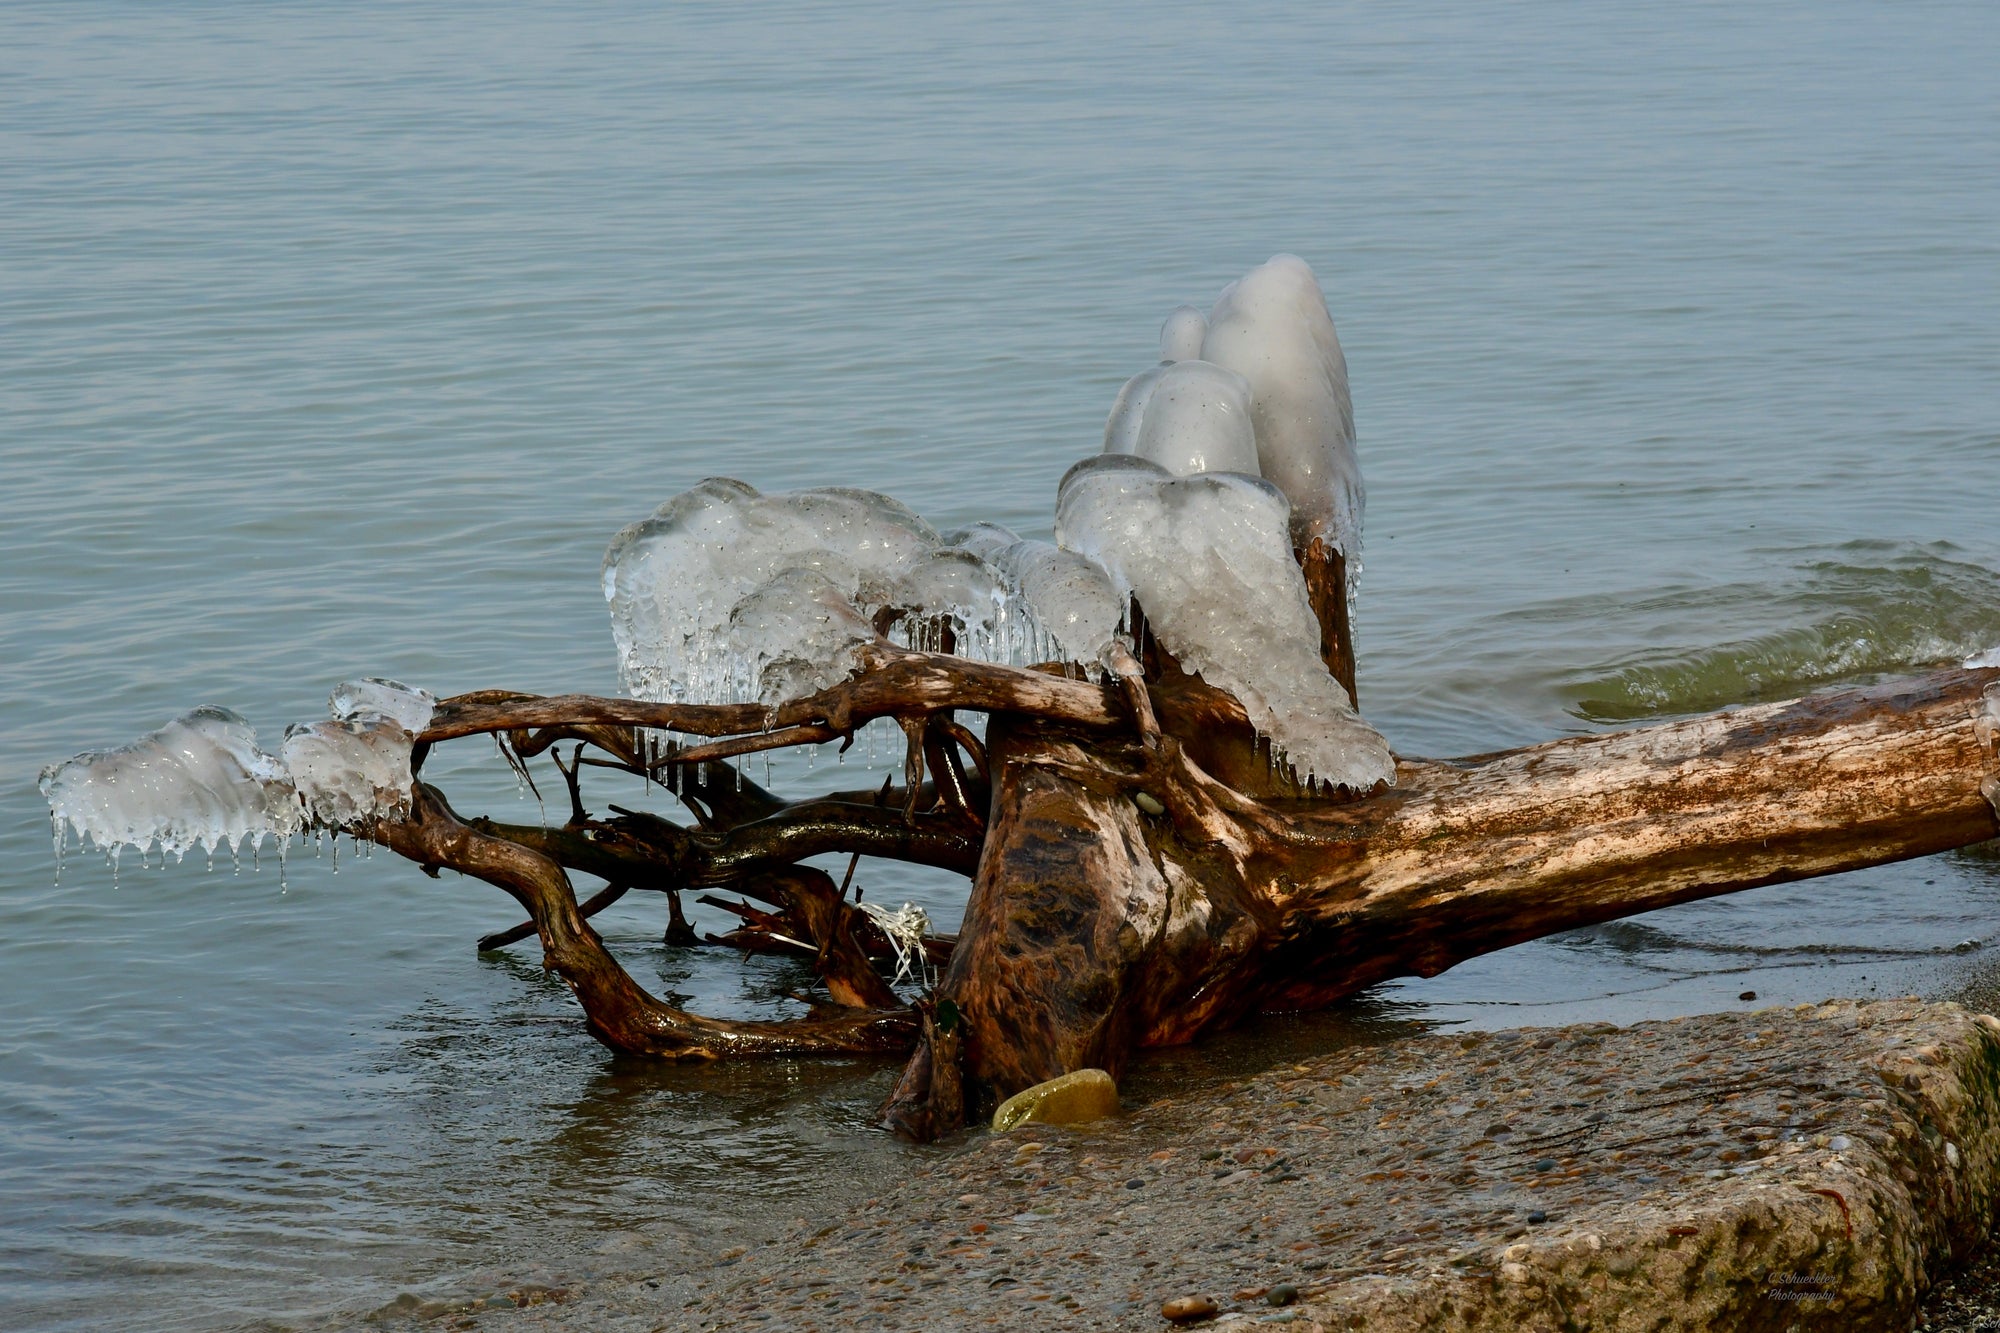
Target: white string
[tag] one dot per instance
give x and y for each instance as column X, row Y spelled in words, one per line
column 906, row 928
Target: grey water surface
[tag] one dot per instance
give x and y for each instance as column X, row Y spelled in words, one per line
column 338, row 340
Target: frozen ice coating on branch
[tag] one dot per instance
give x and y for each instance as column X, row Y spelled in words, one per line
column 1121, row 428
column 373, row 696
column 952, row 589
column 199, row 781
column 1209, row 557
column 1271, row 326
column 985, row 540
column 1068, row 602
column 1197, row 419
column 674, row 580
column 1181, row 336
column 350, row 774
column 794, row 636
column 1180, row 340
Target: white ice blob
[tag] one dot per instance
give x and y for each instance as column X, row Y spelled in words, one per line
column 1209, row 558
column 794, row 636
column 199, row 781
column 1068, row 603
column 1121, row 428
column 350, row 774
column 1989, row 658
column 1197, row 419
column 1271, row 327
column 1181, row 336
column 675, row 579
column 375, row 696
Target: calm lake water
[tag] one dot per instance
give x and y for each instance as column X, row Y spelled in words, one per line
column 339, row 340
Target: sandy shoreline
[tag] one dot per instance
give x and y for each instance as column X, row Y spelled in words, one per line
column 1809, row 1167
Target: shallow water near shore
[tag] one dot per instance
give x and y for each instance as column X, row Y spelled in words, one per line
column 338, row 343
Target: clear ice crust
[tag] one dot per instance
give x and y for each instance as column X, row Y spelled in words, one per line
column 726, row 595
column 201, row 781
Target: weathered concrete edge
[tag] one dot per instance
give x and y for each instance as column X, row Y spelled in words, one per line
column 1845, row 1240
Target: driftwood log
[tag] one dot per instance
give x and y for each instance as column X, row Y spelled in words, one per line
column 1141, row 872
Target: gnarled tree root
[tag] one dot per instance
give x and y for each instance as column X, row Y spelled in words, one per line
column 619, row 1012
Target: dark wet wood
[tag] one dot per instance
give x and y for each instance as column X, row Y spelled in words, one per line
column 618, row 1011
column 1326, row 588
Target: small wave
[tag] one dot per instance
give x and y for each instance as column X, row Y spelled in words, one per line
column 1636, row 939
column 1834, row 621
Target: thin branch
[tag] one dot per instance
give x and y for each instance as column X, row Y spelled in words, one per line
column 892, row 682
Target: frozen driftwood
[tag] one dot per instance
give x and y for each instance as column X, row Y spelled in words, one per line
column 1174, row 814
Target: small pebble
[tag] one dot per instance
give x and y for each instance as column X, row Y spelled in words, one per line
column 1537, row 1217
column 1135, row 1184
column 1747, row 995
column 1187, row 1309
column 1546, row 1164
column 1282, row 1294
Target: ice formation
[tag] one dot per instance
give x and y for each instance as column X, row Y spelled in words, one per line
column 674, row 581
column 1068, row 599
column 1197, row 419
column 1271, row 327
column 1181, row 336
column 953, row 590
column 373, row 696
column 1209, row 557
column 349, row 774
column 729, row 596
column 1180, row 340
column 985, row 540
column 199, row 781
column 1121, row 428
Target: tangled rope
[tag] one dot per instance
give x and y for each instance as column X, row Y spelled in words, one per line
column 905, row 928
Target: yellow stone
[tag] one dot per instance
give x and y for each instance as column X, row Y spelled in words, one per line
column 1087, row 1094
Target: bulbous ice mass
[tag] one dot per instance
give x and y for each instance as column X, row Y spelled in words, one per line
column 675, row 579
column 1121, row 428
column 350, row 774
column 1071, row 608
column 199, row 781
column 1271, row 327
column 1180, row 340
column 729, row 596
column 1181, row 336
column 794, row 636
column 1197, row 419
column 1209, row 557
column 375, row 696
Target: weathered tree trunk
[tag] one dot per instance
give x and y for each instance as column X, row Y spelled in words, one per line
column 1095, row 928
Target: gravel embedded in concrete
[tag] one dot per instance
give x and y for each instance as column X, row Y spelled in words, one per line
column 1805, row 1167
